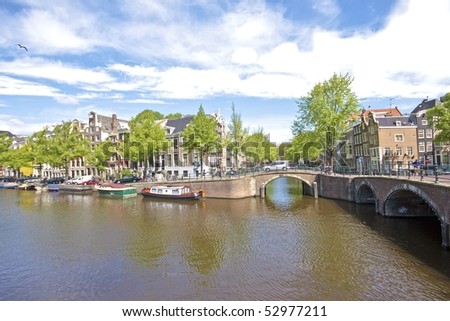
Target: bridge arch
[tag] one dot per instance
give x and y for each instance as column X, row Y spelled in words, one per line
column 365, row 194
column 308, row 188
column 407, row 200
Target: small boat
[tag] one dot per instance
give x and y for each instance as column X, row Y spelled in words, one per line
column 172, row 192
column 116, row 190
column 53, row 187
column 9, row 185
column 27, row 187
column 75, row 189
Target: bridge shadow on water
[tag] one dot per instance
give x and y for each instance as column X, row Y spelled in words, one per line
column 418, row 236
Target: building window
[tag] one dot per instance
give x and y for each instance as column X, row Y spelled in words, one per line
column 185, row 159
column 175, row 143
column 398, row 151
column 387, row 151
column 175, row 160
column 409, row 151
column 366, row 150
column 429, row 146
column 421, row 133
column 364, row 137
column 424, row 122
column 421, row 147
column 429, row 133
column 398, row 138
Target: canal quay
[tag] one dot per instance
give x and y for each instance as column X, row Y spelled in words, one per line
column 287, row 245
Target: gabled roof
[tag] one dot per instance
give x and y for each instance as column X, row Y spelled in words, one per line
column 392, row 121
column 391, row 111
column 424, row 105
column 179, row 124
column 9, row 134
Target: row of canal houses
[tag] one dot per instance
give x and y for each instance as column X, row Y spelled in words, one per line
column 174, row 161
column 385, row 140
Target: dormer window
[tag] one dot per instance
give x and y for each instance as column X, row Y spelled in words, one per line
column 398, row 123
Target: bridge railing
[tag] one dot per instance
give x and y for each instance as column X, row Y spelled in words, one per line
column 242, row 172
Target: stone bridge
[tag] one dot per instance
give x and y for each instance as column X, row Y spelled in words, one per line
column 392, row 196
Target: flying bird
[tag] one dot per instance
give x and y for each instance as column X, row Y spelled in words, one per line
column 22, row 46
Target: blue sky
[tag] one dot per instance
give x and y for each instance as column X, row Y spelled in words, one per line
column 122, row 57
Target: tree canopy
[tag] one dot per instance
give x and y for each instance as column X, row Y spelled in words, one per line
column 146, row 138
column 439, row 116
column 237, row 135
column 201, row 134
column 257, row 148
column 66, row 143
column 326, row 111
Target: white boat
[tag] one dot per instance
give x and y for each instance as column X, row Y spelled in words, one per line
column 9, row 185
column 172, row 192
column 116, row 190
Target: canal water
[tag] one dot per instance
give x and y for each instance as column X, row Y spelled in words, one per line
column 57, row 246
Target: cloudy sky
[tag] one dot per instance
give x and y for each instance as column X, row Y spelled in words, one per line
column 118, row 56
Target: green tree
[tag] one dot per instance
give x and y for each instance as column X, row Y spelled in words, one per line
column 38, row 146
column 65, row 144
column 257, row 148
column 146, row 139
column 5, row 145
column 237, row 135
column 100, row 155
column 306, row 147
column 326, row 110
column 174, row 116
column 439, row 117
column 17, row 158
column 201, row 134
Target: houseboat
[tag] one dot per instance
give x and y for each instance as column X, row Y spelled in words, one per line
column 116, row 190
column 172, row 192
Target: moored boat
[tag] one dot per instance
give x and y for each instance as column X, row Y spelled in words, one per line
column 9, row 185
column 116, row 190
column 77, row 189
column 27, row 186
column 53, row 187
column 172, row 192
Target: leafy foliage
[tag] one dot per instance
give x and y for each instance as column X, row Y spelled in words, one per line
column 306, row 146
column 146, row 138
column 201, row 134
column 257, row 148
column 237, row 135
column 65, row 144
column 100, row 155
column 326, row 111
column 439, row 116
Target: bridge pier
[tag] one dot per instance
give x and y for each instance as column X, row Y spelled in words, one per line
column 262, row 191
column 445, row 228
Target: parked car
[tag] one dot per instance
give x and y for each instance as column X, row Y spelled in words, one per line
column 54, row 180
column 80, row 180
column 128, row 179
column 93, row 181
column 276, row 166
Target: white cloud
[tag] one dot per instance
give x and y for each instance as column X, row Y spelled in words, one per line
column 15, row 87
column 57, row 71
